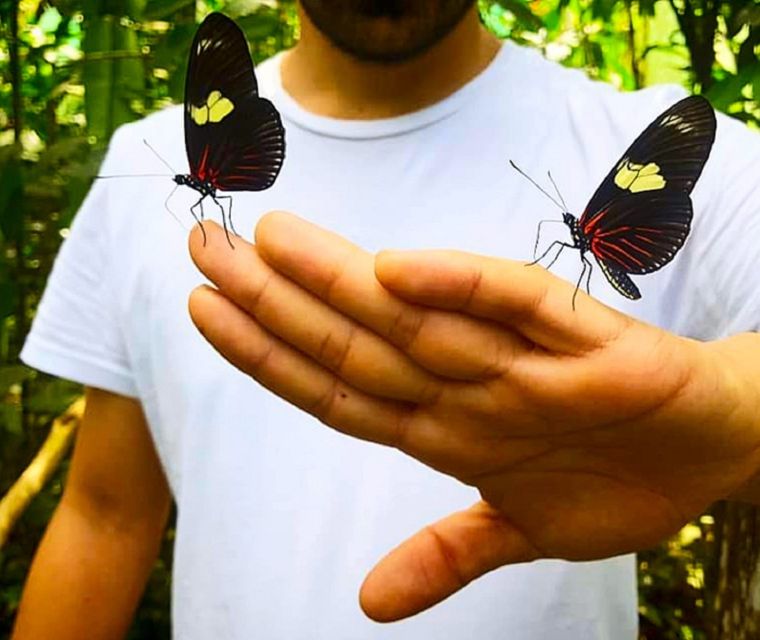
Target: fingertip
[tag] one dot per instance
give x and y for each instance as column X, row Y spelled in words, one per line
column 395, row 269
column 199, row 303
column 203, row 236
column 272, row 224
column 377, row 601
column 425, row 277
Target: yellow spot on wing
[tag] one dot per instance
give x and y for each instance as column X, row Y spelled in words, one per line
column 216, row 108
column 639, row 177
column 199, row 115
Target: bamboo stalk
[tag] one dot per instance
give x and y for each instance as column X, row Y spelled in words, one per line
column 40, row 469
column 15, row 72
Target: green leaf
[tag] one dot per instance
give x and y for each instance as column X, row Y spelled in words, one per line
column 523, row 14
column 165, row 9
column 13, row 374
column 603, row 9
column 646, row 8
column 727, row 91
column 11, row 419
column 50, row 20
column 53, row 397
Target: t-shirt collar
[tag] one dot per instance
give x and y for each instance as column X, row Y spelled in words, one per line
column 294, row 113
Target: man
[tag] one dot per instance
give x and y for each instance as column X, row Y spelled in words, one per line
column 400, row 120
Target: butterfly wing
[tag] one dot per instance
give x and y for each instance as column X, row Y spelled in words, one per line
column 642, row 232
column 640, row 215
column 234, row 139
column 619, row 280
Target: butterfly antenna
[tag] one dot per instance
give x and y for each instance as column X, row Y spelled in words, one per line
column 554, row 184
column 158, row 155
column 535, row 184
column 138, row 175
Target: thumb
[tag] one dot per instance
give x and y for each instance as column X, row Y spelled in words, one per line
column 440, row 560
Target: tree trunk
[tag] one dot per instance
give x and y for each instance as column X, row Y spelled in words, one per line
column 735, row 585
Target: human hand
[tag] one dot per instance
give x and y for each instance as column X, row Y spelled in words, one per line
column 588, row 434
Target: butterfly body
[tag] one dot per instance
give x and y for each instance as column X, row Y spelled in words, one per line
column 187, row 180
column 640, row 215
column 580, row 241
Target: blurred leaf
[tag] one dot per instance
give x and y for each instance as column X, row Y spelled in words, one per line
column 522, row 12
column 11, row 374
column 53, row 397
column 262, row 24
column 647, row 7
column 11, row 419
column 726, row 92
column 170, row 53
column 160, row 9
column 603, row 9
column 50, row 20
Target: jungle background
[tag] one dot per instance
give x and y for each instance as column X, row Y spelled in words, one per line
column 71, row 71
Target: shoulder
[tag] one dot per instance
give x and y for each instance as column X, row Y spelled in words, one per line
column 162, row 130
column 576, row 108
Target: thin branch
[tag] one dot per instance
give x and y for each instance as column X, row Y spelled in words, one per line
column 41, row 468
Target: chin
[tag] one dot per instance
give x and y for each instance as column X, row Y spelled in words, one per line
column 385, row 31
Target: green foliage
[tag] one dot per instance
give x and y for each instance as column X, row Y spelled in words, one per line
column 74, row 70
column 710, row 46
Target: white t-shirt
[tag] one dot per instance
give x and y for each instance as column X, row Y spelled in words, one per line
column 280, row 518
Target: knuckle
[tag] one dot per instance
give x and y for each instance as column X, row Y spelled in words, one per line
column 531, row 306
column 405, row 328
column 448, row 557
column 474, row 284
column 400, row 433
column 258, row 362
column 334, row 348
column 323, row 405
column 254, row 293
column 331, row 281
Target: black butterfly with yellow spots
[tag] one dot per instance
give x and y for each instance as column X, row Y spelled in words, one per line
column 640, row 215
column 234, row 138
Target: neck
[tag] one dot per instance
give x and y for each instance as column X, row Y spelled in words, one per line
column 326, row 81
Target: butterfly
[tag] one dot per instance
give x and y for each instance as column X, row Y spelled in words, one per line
column 641, row 214
column 234, row 138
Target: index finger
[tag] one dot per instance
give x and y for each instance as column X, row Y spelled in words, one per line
column 343, row 275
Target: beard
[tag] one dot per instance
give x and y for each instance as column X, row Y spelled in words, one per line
column 386, row 31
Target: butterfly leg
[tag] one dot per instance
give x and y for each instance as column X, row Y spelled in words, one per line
column 173, row 215
column 562, row 246
column 229, row 214
column 587, row 266
column 580, row 279
column 224, row 220
column 538, row 235
column 588, row 278
column 199, row 219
